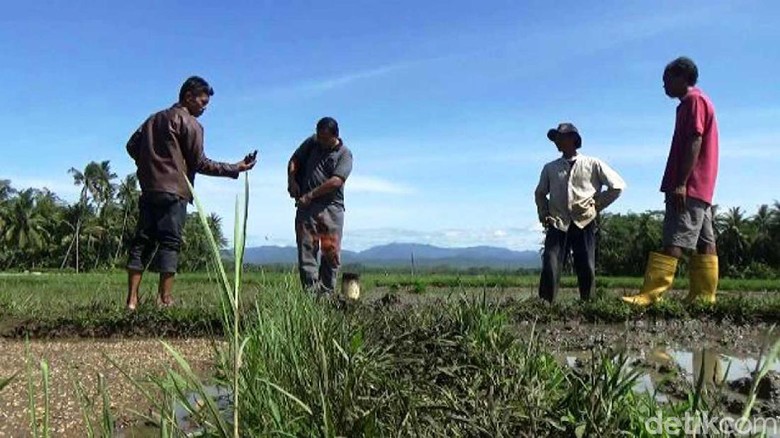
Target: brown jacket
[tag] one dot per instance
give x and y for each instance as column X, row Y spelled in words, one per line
column 168, row 143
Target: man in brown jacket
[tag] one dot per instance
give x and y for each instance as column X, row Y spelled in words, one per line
column 168, row 145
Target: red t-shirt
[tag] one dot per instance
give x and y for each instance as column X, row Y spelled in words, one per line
column 695, row 115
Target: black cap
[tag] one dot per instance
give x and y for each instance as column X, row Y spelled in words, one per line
column 564, row 128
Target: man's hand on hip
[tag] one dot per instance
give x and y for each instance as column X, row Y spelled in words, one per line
column 304, row 200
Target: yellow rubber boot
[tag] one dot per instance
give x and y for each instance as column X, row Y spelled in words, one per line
column 659, row 275
column 703, row 274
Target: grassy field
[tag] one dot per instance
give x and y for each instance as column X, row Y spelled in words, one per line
column 532, row 281
column 52, row 305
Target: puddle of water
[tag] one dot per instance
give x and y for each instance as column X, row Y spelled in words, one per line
column 692, row 362
column 221, row 396
column 717, row 367
column 713, row 364
column 223, row 399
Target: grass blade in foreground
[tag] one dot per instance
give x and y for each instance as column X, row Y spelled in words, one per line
column 239, row 241
column 214, row 252
column 770, row 358
column 45, row 373
column 7, row 381
column 31, row 391
column 85, row 405
column 230, row 307
column 107, row 421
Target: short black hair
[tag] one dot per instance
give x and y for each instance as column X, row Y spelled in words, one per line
column 195, row 85
column 685, row 67
column 328, row 124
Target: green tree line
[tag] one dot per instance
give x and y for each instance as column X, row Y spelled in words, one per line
column 39, row 230
column 748, row 245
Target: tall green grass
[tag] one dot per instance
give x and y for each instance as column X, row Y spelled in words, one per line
column 87, row 406
column 38, row 427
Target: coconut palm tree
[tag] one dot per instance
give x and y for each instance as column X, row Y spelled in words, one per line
column 74, row 218
column 733, row 242
column 774, row 232
column 6, row 191
column 25, row 232
column 127, row 197
column 761, row 243
column 104, row 186
column 195, row 243
column 96, row 185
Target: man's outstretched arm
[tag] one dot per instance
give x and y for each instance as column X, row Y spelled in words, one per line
column 200, row 163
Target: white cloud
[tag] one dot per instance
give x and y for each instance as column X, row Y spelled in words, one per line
column 321, row 85
column 62, row 186
column 499, row 233
column 514, row 238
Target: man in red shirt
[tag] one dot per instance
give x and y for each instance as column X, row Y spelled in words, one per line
column 688, row 185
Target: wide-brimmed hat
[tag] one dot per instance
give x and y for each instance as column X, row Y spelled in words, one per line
column 565, row 128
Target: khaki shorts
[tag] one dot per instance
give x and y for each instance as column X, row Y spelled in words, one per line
column 690, row 229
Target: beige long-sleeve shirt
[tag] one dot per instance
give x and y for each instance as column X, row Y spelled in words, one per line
column 575, row 190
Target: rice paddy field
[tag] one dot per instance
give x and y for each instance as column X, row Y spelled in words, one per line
column 430, row 355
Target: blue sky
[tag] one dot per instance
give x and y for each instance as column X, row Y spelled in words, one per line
column 445, row 105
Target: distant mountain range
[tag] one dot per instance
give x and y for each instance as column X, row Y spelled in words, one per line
column 400, row 254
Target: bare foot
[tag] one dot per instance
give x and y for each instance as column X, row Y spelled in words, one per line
column 133, row 280
column 165, row 302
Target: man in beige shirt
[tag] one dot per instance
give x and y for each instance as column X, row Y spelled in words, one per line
column 573, row 184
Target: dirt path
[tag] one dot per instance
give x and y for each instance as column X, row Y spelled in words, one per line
column 81, row 360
